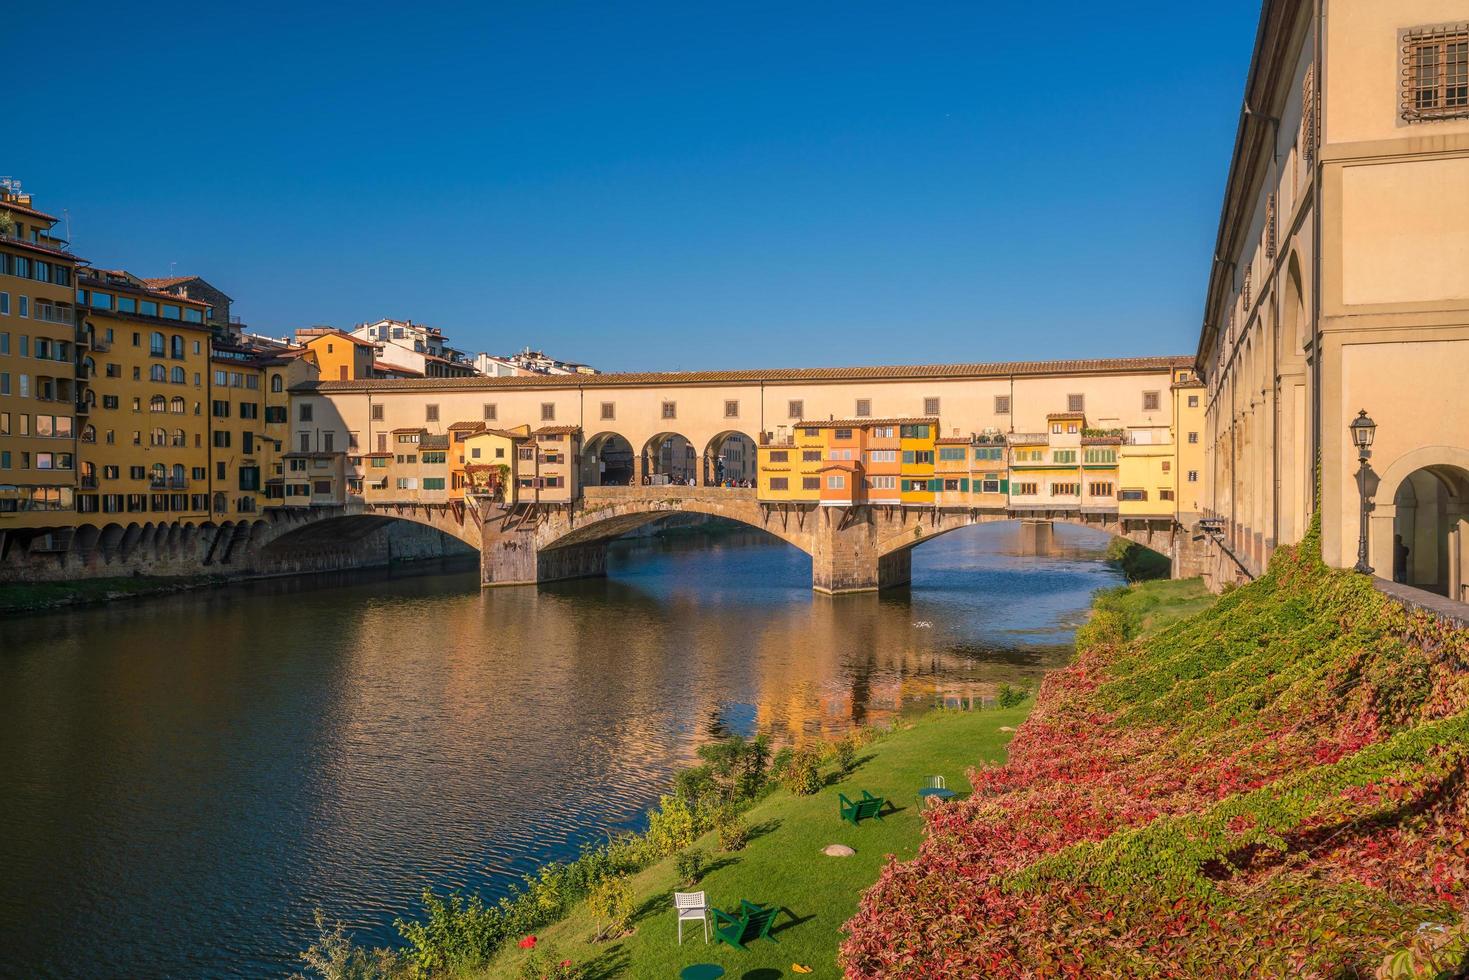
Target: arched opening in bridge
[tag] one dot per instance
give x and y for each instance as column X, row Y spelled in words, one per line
column 729, row 458
column 1430, row 537
column 607, row 461
column 669, row 458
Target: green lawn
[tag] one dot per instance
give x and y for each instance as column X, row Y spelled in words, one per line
column 783, row 864
column 1152, row 606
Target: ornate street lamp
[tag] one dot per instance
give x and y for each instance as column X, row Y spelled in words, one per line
column 1363, row 429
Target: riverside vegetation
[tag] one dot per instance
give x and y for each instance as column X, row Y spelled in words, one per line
column 1273, row 786
column 745, row 823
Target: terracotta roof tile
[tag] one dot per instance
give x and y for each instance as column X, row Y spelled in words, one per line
column 476, row 426
column 551, row 430
column 1121, row 365
column 864, row 423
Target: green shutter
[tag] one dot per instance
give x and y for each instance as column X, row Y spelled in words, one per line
column 907, row 455
column 964, row 484
column 1005, row 486
column 935, row 485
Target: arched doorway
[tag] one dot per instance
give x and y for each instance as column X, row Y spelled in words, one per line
column 1430, row 537
column 729, row 457
column 669, row 458
column 607, row 461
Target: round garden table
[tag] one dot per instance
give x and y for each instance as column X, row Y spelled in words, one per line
column 702, row 971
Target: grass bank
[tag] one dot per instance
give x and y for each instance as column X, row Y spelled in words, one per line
column 1273, row 785
column 24, row 597
column 783, row 864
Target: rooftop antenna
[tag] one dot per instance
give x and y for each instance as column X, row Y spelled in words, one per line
column 66, row 216
column 170, row 269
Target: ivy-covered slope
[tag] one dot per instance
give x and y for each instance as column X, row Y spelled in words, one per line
column 1272, row 787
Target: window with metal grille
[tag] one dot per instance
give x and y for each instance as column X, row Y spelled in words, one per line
column 609, row 410
column 1150, row 401
column 930, row 406
column 431, row 413
column 548, row 412
column 490, row 411
column 1002, row 404
column 794, row 409
column 670, row 410
column 1271, row 225
column 1245, row 286
column 1435, row 82
column 1308, row 115
column 1076, row 403
column 864, row 408
column 731, row 410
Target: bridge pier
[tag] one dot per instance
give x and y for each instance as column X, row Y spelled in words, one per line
column 514, row 558
column 1036, row 537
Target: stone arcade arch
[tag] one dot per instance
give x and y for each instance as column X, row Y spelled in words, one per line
column 608, row 460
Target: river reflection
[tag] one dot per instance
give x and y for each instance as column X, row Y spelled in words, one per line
column 186, row 778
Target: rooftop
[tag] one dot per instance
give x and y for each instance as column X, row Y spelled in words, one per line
column 864, row 423
column 904, row 372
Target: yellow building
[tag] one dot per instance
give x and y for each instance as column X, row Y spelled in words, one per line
column 41, row 412
column 790, row 464
column 557, row 465
column 1145, row 481
column 339, row 356
column 1100, row 471
column 146, row 448
column 917, row 483
column 1189, row 405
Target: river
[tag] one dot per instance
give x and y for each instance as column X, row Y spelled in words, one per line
column 186, row 778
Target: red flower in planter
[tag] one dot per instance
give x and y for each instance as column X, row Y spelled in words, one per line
column 529, row 942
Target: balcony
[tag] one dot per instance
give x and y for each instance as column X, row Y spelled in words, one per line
column 54, row 314
column 168, row 483
column 83, row 407
column 87, row 482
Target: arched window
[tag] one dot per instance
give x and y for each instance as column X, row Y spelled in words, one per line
column 89, row 433
column 156, row 473
column 157, row 373
column 176, row 345
column 176, row 405
column 155, row 344
column 179, row 438
column 277, row 383
column 177, row 376
column 178, row 474
column 158, row 437
column 158, row 404
column 91, row 366
column 221, row 504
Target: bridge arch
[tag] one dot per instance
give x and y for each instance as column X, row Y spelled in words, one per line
column 608, row 460
column 729, row 455
column 919, row 527
column 670, row 454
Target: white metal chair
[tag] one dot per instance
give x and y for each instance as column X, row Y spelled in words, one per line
column 691, row 906
column 934, row 782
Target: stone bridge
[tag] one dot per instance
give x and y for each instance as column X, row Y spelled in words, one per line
column 852, row 549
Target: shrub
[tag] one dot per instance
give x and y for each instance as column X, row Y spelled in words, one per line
column 689, row 865
column 612, row 902
column 1011, row 697
column 802, row 773
column 733, row 833
column 333, row 956
column 457, row 933
column 737, row 767
column 844, row 754
column 672, row 826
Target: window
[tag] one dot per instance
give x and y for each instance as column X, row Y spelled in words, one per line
column 304, row 413
column 930, row 406
column 221, row 439
column 1065, row 490
column 489, row 411
column 156, row 344
column 810, row 455
column 836, row 482
column 430, row 413
column 377, row 413
column 864, row 408
column 1193, row 401
column 810, row 483
column 883, row 431
column 915, row 432
column 843, row 434
column 1132, row 495
column 275, row 414
column 1064, row 455
column 548, row 411
column 177, row 376
column 1076, row 403
column 1150, row 401
column 248, row 410
column 609, row 411
column 1435, row 74
column 220, row 409
column 882, row 456
column 1023, row 489
column 1193, row 476
column 953, row 454
column 1165, row 494
column 780, row 483
column 1167, row 465
column 1099, row 489
column 839, row 454
column 304, row 441
column 882, row 482
column 1193, row 438
column 176, row 347
column 795, row 408
column 779, row 456
column 670, row 410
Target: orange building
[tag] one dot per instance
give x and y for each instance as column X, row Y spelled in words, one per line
column 338, row 356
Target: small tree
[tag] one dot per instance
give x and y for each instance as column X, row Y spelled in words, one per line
column 611, row 901
column 7, row 224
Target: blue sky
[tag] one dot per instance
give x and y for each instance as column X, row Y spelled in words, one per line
column 656, row 186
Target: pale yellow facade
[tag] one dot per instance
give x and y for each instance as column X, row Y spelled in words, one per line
column 1341, row 285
